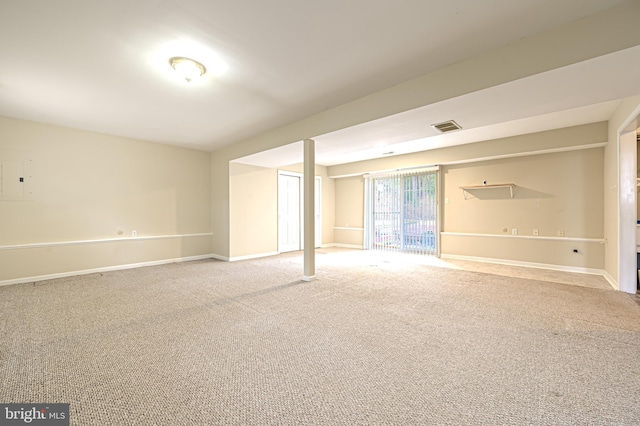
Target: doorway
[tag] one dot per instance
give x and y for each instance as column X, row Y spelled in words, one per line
column 628, row 208
column 401, row 212
column 291, row 209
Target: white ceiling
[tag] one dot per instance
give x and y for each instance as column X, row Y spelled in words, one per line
column 103, row 67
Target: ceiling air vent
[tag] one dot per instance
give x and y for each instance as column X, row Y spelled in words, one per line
column 446, row 126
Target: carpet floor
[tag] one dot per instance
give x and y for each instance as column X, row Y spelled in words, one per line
column 370, row 341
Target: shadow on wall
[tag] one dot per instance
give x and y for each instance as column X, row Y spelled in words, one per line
column 501, row 193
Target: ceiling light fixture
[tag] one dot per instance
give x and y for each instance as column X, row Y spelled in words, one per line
column 188, row 69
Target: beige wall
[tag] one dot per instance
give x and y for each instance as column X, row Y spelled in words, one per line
column 220, row 219
column 87, row 186
column 554, row 191
column 349, row 211
column 561, row 191
column 253, row 207
column 253, row 203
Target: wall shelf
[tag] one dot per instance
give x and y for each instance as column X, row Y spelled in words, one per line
column 466, row 189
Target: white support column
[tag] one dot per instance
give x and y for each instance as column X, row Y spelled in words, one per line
column 627, row 221
column 309, row 210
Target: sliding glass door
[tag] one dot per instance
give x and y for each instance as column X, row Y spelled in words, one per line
column 401, row 212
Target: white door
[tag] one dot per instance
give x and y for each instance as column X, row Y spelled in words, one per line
column 289, row 212
column 318, row 208
column 291, row 209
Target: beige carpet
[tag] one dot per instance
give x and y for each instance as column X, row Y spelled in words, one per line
column 371, row 341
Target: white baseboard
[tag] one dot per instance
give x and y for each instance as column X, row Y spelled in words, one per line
column 105, row 269
column 219, row 257
column 548, row 266
column 250, row 256
column 275, row 253
column 611, row 280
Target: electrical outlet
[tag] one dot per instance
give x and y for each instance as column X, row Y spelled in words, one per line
column 560, row 232
column 514, row 231
column 134, row 233
column 535, row 233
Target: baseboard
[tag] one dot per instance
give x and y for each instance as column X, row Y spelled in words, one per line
column 251, row 256
column 105, row 269
column 219, row 257
column 275, row 253
column 548, row 266
column 611, row 280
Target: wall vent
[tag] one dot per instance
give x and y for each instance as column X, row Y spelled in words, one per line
column 446, row 126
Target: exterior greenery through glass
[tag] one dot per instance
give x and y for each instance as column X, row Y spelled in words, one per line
column 403, row 213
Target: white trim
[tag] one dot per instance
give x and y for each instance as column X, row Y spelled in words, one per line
column 288, row 173
column 406, row 170
column 627, row 278
column 611, row 281
column 527, row 237
column 548, row 266
column 308, row 278
column 105, row 240
column 300, row 178
column 356, row 174
column 347, row 228
column 104, row 269
column 317, row 234
column 253, row 256
column 219, row 257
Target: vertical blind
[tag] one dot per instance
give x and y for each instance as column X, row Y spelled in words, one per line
column 401, row 211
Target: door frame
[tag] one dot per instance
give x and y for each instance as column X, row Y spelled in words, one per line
column 318, row 209
column 369, row 226
column 627, row 202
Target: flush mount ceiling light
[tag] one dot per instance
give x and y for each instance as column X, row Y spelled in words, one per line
column 188, row 69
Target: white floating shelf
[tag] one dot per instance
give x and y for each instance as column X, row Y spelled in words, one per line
column 466, row 189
